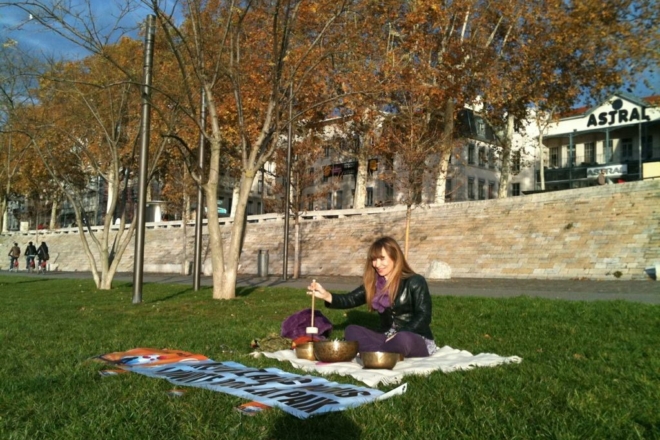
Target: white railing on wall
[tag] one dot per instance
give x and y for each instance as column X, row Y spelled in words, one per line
column 259, row 218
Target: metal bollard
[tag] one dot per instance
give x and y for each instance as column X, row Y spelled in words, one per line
column 262, row 263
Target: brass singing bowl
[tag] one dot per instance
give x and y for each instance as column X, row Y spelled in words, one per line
column 305, row 351
column 335, row 351
column 379, row 359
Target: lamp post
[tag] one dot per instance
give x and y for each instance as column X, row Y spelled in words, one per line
column 138, row 262
column 197, row 262
column 287, row 182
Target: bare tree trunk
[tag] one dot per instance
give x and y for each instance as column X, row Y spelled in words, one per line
column 234, row 200
column 112, row 189
column 226, row 287
column 505, row 174
column 406, row 245
column 4, row 217
column 541, row 160
column 53, row 214
column 215, row 235
column 361, row 183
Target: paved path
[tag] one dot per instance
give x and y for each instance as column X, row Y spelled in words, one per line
column 578, row 290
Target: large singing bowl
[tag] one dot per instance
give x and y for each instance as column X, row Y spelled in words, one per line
column 335, row 351
column 379, row 359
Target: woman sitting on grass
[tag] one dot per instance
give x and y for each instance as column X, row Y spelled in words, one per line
column 400, row 296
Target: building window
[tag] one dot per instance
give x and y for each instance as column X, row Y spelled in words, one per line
column 370, row 197
column 338, row 199
column 491, row 158
column 471, row 153
column 310, row 202
column 491, row 190
column 626, row 148
column 389, row 192
column 482, row 189
column 481, row 127
column 250, row 210
column 326, row 151
column 609, row 156
column 590, row 152
column 448, row 190
column 554, row 157
column 328, row 201
column 515, row 189
column 482, row 157
column 470, row 188
column 647, row 147
column 373, row 166
column 516, row 161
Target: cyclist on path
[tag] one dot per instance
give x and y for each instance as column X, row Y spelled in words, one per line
column 14, row 254
column 30, row 253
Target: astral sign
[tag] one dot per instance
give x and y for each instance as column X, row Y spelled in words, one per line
column 618, row 115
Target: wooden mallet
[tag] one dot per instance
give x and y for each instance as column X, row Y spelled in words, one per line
column 311, row 330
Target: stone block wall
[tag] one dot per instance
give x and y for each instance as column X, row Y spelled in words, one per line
column 604, row 232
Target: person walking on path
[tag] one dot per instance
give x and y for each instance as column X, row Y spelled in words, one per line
column 42, row 255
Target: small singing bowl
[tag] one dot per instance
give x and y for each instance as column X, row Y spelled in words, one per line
column 379, row 359
column 335, row 351
column 305, row 351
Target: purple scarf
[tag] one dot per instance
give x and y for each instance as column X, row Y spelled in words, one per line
column 381, row 300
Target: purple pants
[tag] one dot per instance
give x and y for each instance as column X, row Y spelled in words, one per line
column 408, row 344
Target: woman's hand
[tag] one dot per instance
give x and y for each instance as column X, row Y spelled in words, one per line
column 319, row 292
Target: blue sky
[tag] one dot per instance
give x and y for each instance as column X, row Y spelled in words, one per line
column 15, row 25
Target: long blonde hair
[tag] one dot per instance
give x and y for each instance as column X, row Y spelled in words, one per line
column 400, row 271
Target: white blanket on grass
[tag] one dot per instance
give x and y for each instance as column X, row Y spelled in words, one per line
column 446, row 359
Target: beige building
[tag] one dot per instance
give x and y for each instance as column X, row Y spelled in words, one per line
column 620, row 138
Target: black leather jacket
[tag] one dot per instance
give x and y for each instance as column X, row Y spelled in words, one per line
column 411, row 310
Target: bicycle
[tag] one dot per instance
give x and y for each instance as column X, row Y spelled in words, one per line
column 43, row 266
column 13, row 264
column 30, row 267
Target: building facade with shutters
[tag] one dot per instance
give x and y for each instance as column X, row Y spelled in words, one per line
column 473, row 174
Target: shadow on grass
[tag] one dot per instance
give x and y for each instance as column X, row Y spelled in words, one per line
column 129, row 286
column 172, row 295
column 30, row 281
column 330, row 426
column 246, row 291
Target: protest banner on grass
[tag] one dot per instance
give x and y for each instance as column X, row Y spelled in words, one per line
column 301, row 396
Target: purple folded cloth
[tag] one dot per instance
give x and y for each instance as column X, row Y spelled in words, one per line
column 296, row 325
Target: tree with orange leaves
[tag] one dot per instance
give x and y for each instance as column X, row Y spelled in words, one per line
column 84, row 127
column 250, row 60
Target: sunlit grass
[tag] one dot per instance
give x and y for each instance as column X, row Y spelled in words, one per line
column 589, row 370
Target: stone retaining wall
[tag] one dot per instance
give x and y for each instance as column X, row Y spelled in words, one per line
column 605, row 232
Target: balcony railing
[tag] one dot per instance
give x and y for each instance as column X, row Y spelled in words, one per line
column 588, row 161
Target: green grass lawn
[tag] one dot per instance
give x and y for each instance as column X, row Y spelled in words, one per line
column 590, row 370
